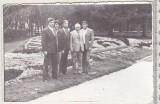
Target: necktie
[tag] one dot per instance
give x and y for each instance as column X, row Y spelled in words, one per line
column 65, row 30
column 78, row 34
column 52, row 31
column 55, row 34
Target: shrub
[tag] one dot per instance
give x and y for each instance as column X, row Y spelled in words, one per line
column 28, row 51
column 125, row 40
column 11, row 34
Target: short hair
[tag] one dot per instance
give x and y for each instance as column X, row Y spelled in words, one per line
column 77, row 24
column 65, row 21
column 57, row 21
column 50, row 19
column 84, row 22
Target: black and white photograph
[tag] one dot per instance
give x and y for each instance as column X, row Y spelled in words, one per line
column 78, row 53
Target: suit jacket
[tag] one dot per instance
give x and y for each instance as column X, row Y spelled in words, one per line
column 76, row 41
column 64, row 39
column 49, row 41
column 89, row 38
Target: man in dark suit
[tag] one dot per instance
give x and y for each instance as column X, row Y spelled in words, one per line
column 50, row 49
column 64, row 39
column 88, row 38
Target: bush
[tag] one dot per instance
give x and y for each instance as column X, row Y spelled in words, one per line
column 11, row 34
column 125, row 40
column 28, row 51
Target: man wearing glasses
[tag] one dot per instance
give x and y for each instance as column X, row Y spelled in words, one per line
column 50, row 49
column 77, row 47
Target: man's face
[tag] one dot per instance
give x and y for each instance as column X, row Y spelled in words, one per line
column 84, row 25
column 51, row 24
column 56, row 25
column 77, row 28
column 65, row 24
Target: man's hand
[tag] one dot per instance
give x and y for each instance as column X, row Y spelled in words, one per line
column 71, row 50
column 62, row 51
column 45, row 52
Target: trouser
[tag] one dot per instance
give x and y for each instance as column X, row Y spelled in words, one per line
column 64, row 62
column 85, row 60
column 53, row 58
column 77, row 61
column 59, row 58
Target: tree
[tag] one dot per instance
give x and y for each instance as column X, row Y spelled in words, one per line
column 103, row 18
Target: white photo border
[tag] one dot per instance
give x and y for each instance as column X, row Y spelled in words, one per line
column 155, row 37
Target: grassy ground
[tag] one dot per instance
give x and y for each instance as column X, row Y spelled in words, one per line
column 104, row 63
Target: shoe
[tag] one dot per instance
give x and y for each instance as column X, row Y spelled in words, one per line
column 54, row 77
column 75, row 73
column 79, row 72
column 45, row 80
column 60, row 73
column 65, row 73
column 85, row 72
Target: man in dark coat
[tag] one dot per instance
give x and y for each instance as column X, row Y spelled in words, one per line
column 50, row 49
column 64, row 41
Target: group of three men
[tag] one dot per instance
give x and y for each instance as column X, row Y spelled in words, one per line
column 79, row 42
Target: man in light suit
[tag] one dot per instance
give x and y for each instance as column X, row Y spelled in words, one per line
column 88, row 38
column 50, row 49
column 76, row 47
column 64, row 41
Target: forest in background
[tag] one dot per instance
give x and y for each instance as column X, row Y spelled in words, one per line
column 105, row 19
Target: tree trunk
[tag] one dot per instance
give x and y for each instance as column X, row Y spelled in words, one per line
column 110, row 32
column 144, row 29
column 121, row 27
column 16, row 26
